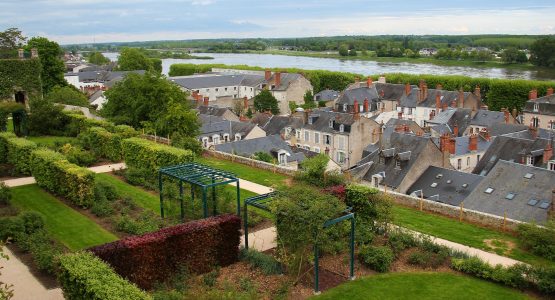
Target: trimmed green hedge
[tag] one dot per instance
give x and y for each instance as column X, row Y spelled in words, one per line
column 125, row 131
column 102, row 143
column 79, row 123
column 147, row 155
column 84, row 276
column 54, row 173
column 19, row 154
column 4, row 137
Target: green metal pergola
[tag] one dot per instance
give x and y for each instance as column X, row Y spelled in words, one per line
column 197, row 175
column 261, row 201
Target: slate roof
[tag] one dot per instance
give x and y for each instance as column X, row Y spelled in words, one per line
column 348, row 97
column 211, row 125
column 452, row 186
column 398, row 143
column 461, row 145
column 390, row 127
column 321, row 120
column 497, row 129
column 411, row 100
column 217, row 80
column 546, row 105
column 508, row 177
column 326, row 95
column 95, row 96
column 104, row 76
column 486, row 118
column 212, row 110
column 286, row 79
column 391, row 91
column 509, row 149
column 269, row 144
column 451, row 117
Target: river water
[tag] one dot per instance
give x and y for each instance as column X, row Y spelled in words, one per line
column 353, row 66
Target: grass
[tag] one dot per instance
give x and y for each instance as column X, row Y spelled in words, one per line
column 464, row 233
column 9, row 126
column 51, row 141
column 421, row 285
column 66, row 225
column 249, row 173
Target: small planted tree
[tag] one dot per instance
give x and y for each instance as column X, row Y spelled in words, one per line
column 265, row 101
column 372, row 210
column 314, row 172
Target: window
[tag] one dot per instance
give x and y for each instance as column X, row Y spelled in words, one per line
column 309, row 120
column 536, row 107
column 216, row 89
column 341, row 142
column 205, row 142
column 341, row 128
column 544, row 205
column 410, row 111
column 530, row 160
column 459, row 164
column 535, row 122
column 316, row 138
column 478, row 159
column 207, row 90
column 551, row 165
column 464, row 185
column 282, row 158
column 330, row 124
column 234, row 88
column 327, row 139
column 298, row 133
column 344, row 107
column 341, row 157
column 216, row 139
column 528, row 175
column 307, row 136
column 316, row 149
column 307, row 147
column 226, row 137
column 397, row 164
column 468, row 161
column 225, row 89
column 434, row 184
column 489, row 190
column 510, row 196
column 237, row 137
column 552, row 125
column 533, row 202
column 471, row 130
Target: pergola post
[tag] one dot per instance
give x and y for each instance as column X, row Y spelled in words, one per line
column 352, row 267
column 214, row 209
column 246, row 225
column 204, row 204
column 161, row 185
column 181, row 200
column 316, row 270
column 238, row 199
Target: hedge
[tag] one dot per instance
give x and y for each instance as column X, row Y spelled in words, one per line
column 19, row 154
column 158, row 256
column 54, row 173
column 151, row 156
column 102, row 143
column 84, row 276
column 79, row 123
column 4, row 136
column 125, row 131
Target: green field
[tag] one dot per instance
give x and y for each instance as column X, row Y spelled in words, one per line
column 51, row 141
column 421, row 285
column 464, row 233
column 66, row 225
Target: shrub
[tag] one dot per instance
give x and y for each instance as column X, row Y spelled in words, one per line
column 78, row 123
column 210, row 278
column 150, row 156
column 4, row 137
column 103, row 143
column 10, row 227
column 44, row 252
column 19, row 154
column 84, row 276
column 514, row 276
column 54, row 173
column 540, row 241
column 76, row 155
column 428, row 259
column 266, row 263
column 108, row 191
column 399, row 241
column 5, row 194
column 157, row 256
column 545, row 279
column 32, row 221
column 377, row 258
column 102, row 208
column 372, row 209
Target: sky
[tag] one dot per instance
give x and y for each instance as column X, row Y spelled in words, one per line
column 88, row 21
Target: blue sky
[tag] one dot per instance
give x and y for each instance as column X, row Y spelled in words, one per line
column 84, row 21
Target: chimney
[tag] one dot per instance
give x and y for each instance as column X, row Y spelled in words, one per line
column 507, row 115
column 369, row 81
column 267, row 75
column 486, row 135
column 533, row 94
column 382, row 94
column 199, row 100
column 443, row 142
column 278, row 79
column 484, row 107
column 456, row 130
column 425, row 94
column 439, row 86
column 20, row 53
column 246, row 103
column 454, row 104
column 473, row 142
column 366, row 105
column 549, row 91
column 438, row 101
column 399, row 128
column 400, row 115
column 533, row 132
column 355, row 107
column 407, row 88
column 432, row 114
column 406, row 128
column 547, row 153
column 452, row 145
column 477, row 92
column 461, row 98
column 381, row 79
column 206, row 101
column 515, row 113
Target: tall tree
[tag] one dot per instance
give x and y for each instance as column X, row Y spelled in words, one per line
column 52, row 70
column 150, row 100
column 131, row 59
column 98, row 59
column 543, row 52
column 265, row 101
column 11, row 38
column 67, row 95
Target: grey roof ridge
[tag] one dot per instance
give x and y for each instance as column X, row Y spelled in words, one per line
column 515, row 163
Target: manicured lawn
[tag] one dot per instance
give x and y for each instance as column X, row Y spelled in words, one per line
column 68, row 226
column 463, row 233
column 51, row 141
column 421, row 285
column 259, row 176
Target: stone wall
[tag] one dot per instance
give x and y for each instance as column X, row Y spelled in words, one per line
column 289, row 171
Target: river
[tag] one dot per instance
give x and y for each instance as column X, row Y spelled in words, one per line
column 354, row 66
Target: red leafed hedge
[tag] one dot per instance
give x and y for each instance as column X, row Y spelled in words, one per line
column 157, row 256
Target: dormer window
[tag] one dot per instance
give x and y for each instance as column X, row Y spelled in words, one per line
column 309, row 120
column 331, row 124
column 341, row 128
column 226, row 137
column 551, row 165
column 237, row 137
column 344, row 107
column 529, row 160
column 216, row 139
column 536, row 107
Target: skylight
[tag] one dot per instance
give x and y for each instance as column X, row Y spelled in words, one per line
column 544, row 205
column 438, row 176
column 510, row 196
column 449, row 181
column 489, row 190
column 465, row 185
column 434, row 184
column 528, row 175
column 533, row 202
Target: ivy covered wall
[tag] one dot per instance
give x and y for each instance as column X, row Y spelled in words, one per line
column 20, row 74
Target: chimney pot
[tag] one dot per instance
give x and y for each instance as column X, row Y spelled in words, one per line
column 533, row 94
column 477, row 92
column 400, row 115
column 278, row 79
column 267, row 75
column 355, row 108
column 550, row 91
column 456, row 130
column 366, row 105
column 206, row 99
column 547, row 153
column 438, row 101
column 473, row 142
column 369, row 81
column 407, row 89
column 507, row 116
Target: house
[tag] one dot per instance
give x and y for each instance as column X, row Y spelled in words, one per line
column 453, row 121
column 215, row 130
column 520, row 148
column 486, row 119
column 272, row 144
column 282, row 125
column 444, row 185
column 464, row 152
column 372, row 97
column 427, row 51
column 341, row 136
column 399, row 162
column 540, row 112
column 326, row 95
column 222, row 112
column 95, row 79
column 97, row 99
column 519, row 192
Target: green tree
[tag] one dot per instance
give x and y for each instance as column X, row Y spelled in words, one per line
column 156, row 64
column 50, row 53
column 67, row 95
column 343, row 50
column 150, row 100
column 543, row 52
column 265, row 101
column 263, row 156
column 309, row 100
column 46, row 118
column 98, row 59
column 513, row 55
column 11, row 38
column 352, row 52
column 131, row 59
